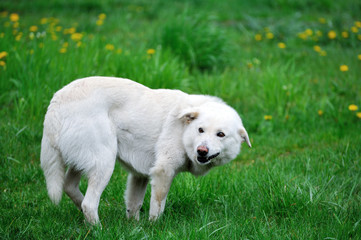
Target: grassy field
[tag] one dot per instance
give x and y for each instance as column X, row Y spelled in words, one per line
column 292, row 69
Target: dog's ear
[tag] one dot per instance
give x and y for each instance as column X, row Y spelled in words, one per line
column 188, row 116
column 244, row 136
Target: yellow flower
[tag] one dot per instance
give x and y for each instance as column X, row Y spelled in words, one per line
column 267, row 117
column 320, row 112
column 358, row 24
column 14, row 17
column 309, row 32
column 31, row 51
column 359, row 57
column 119, row 51
column 352, row 107
column 258, row 37
column 323, row 53
column 269, row 35
column 99, row 22
column 3, row 54
column 16, row 25
column 344, row 34
column 318, row 33
column 43, row 21
column 109, row 47
column 18, row 37
column 62, row 50
column 281, row 45
column 58, row 28
column 150, row 51
column 69, row 30
column 317, row 48
column 102, row 16
column 3, row 64
column 65, row 45
column 354, row 29
column 332, row 34
column 2, row 35
column 322, row 20
column 358, row 114
column 33, row 28
column 76, row 36
column 54, row 37
column 343, row 68
column 302, row 35
column 78, row 44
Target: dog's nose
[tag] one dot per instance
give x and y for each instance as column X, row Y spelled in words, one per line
column 202, row 151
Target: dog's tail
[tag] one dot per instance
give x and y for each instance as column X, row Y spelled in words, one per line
column 54, row 170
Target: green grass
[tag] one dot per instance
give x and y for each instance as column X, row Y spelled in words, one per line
column 301, row 179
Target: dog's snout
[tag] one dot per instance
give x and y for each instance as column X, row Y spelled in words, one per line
column 202, row 151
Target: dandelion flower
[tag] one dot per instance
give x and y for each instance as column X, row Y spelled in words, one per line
column 269, row 35
column 76, row 37
column 318, row 33
column 343, row 68
column 344, row 34
column 358, row 24
column 65, row 44
column 119, row 51
column 78, row 44
column 33, row 28
column 323, row 53
column 3, row 64
column 150, row 51
column 102, row 16
column 358, row 114
column 354, row 29
column 352, row 107
column 320, row 112
column 322, row 20
column 258, row 37
column 267, row 117
column 281, row 45
column 109, row 47
column 43, row 21
column 3, row 54
column 317, row 48
column 332, row 34
column 309, row 32
column 18, row 37
column 58, row 28
column 302, row 35
column 62, row 50
column 14, row 17
column 359, row 57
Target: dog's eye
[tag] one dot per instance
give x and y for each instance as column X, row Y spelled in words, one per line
column 221, row 134
column 200, row 130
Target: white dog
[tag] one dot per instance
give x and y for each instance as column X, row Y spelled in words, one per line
column 155, row 134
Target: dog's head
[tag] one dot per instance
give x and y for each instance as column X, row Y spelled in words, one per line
column 213, row 134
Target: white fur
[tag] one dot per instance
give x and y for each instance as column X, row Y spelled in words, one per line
column 154, row 134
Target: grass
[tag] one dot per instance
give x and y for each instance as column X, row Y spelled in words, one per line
column 301, row 179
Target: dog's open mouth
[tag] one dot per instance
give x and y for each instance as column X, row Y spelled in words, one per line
column 206, row 159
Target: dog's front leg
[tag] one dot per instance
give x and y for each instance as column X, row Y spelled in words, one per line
column 161, row 179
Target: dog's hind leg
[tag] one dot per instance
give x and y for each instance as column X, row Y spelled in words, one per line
column 98, row 178
column 71, row 186
column 134, row 195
